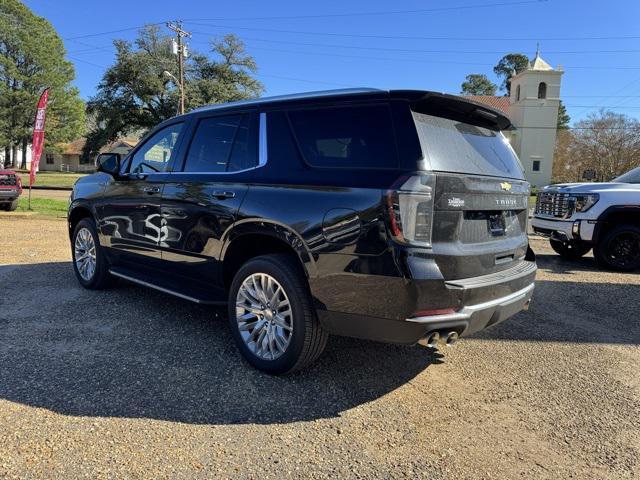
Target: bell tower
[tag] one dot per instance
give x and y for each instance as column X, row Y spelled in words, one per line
column 533, row 106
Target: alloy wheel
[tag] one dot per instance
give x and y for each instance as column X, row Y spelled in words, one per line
column 624, row 249
column 85, row 254
column 264, row 316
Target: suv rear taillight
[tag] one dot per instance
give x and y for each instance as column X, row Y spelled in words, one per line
column 410, row 209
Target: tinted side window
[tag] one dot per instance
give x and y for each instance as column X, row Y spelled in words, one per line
column 351, row 137
column 244, row 153
column 157, row 152
column 222, row 144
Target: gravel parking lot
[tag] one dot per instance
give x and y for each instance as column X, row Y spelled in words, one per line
column 131, row 382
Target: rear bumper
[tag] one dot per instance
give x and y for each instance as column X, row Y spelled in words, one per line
column 473, row 318
column 478, row 303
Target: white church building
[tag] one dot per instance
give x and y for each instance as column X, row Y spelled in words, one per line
column 532, row 108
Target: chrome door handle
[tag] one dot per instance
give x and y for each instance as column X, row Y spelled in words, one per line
column 151, row 190
column 221, row 195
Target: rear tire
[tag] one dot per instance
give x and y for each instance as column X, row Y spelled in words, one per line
column 570, row 250
column 280, row 342
column 619, row 249
column 89, row 261
column 10, row 207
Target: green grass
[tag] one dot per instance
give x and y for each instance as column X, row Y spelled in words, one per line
column 532, row 201
column 52, row 179
column 44, row 206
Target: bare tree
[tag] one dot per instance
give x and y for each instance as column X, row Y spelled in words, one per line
column 606, row 142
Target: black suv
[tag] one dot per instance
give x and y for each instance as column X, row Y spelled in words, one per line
column 398, row 216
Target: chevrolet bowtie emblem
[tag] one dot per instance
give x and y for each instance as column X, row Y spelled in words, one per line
column 505, row 186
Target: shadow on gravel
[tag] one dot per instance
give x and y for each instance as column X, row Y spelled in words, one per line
column 136, row 353
column 556, row 264
column 582, row 312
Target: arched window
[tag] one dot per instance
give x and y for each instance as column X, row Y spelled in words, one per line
column 542, row 90
column 518, row 93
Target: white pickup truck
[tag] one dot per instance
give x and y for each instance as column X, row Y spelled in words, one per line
column 604, row 216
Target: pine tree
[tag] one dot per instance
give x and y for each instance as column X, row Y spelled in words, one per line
column 478, row 84
column 32, row 59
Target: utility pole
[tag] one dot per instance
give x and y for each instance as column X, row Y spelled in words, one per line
column 181, row 51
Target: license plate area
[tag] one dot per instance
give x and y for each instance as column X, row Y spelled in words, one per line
column 494, row 221
column 496, row 224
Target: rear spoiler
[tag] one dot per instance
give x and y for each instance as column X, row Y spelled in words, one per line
column 454, row 107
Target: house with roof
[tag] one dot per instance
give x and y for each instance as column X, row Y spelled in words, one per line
column 532, row 107
column 69, row 159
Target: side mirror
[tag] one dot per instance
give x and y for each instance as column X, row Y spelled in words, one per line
column 108, row 163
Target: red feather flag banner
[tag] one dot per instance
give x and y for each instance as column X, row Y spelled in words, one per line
column 37, row 144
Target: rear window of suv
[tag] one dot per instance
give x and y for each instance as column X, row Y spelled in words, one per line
column 346, row 137
column 453, row 146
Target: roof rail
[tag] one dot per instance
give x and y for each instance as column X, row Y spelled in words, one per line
column 294, row 96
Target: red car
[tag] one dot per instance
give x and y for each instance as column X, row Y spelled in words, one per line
column 10, row 190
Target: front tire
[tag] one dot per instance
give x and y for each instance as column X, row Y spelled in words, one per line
column 271, row 315
column 12, row 206
column 89, row 262
column 619, row 249
column 570, row 250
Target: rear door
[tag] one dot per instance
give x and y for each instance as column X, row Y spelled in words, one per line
column 130, row 217
column 202, row 197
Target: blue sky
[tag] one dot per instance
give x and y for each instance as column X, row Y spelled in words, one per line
column 333, row 44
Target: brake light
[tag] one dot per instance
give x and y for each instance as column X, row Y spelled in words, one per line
column 410, row 209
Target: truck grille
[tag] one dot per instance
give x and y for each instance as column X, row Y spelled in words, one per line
column 552, row 204
column 7, row 179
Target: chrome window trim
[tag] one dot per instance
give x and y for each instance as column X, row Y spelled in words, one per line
column 262, row 141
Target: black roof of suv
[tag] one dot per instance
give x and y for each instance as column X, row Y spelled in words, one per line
column 440, row 104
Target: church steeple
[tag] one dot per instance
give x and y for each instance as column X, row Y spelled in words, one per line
column 533, row 110
column 538, row 63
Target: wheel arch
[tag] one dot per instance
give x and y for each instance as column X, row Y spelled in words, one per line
column 616, row 215
column 253, row 237
column 77, row 211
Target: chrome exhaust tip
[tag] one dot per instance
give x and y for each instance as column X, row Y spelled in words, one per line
column 430, row 340
column 452, row 337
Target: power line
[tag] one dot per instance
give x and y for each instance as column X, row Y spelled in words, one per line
column 378, row 13
column 90, row 50
column 411, row 37
column 410, row 50
column 109, row 32
column 328, row 15
column 620, row 90
column 319, row 82
column 588, row 67
column 322, row 82
column 88, row 63
column 444, row 62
